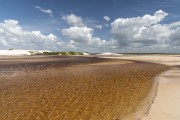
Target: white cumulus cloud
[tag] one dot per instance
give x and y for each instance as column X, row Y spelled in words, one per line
column 106, row 18
column 78, row 34
column 73, row 20
column 48, row 11
column 12, row 35
column 99, row 26
column 83, row 37
column 145, row 31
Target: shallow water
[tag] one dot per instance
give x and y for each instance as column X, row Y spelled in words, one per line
column 73, row 89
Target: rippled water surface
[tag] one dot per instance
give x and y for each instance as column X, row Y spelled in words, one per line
column 73, row 88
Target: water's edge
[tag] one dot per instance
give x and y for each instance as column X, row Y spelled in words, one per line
column 145, row 106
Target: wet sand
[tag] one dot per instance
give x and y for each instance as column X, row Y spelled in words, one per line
column 74, row 88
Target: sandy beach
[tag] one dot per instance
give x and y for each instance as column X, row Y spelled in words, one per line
column 166, row 104
column 73, row 88
column 171, row 60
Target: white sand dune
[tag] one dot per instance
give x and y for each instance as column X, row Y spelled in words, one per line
column 86, row 53
column 14, row 52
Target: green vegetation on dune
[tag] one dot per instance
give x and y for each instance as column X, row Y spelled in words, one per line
column 63, row 53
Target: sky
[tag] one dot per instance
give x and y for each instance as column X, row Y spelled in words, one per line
column 121, row 26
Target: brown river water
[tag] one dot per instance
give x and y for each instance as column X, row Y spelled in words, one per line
column 73, row 88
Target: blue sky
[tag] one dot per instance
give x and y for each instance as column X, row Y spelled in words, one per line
column 81, row 25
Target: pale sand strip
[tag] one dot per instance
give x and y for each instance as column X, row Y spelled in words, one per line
column 167, row 103
column 162, row 59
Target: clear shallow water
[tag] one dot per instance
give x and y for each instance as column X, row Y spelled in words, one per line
column 74, row 89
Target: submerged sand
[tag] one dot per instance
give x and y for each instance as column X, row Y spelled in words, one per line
column 74, row 88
